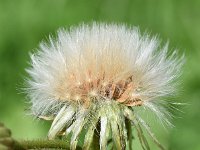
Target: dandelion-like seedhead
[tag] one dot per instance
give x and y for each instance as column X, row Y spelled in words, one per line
column 98, row 74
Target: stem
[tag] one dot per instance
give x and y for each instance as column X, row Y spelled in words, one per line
column 129, row 133
column 40, row 144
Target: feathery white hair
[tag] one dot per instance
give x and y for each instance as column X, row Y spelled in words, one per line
column 100, row 72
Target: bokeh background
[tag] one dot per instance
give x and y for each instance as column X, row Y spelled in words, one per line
column 25, row 23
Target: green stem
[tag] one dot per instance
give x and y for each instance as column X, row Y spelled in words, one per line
column 40, row 144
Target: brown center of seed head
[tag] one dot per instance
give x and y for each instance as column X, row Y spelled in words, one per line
column 98, row 88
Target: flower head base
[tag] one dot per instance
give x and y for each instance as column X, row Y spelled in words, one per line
column 100, row 73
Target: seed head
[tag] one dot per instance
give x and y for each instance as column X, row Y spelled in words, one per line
column 98, row 74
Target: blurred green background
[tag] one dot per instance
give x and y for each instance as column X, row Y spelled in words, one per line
column 24, row 23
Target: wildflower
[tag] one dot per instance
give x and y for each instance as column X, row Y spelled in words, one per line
column 98, row 74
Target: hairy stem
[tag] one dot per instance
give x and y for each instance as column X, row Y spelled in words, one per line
column 40, row 144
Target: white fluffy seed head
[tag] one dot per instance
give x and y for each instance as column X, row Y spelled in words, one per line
column 101, row 61
column 100, row 72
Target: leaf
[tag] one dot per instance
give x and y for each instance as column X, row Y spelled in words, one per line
column 104, row 133
column 151, row 134
column 90, row 133
column 143, row 138
column 77, row 127
column 116, row 127
column 61, row 120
